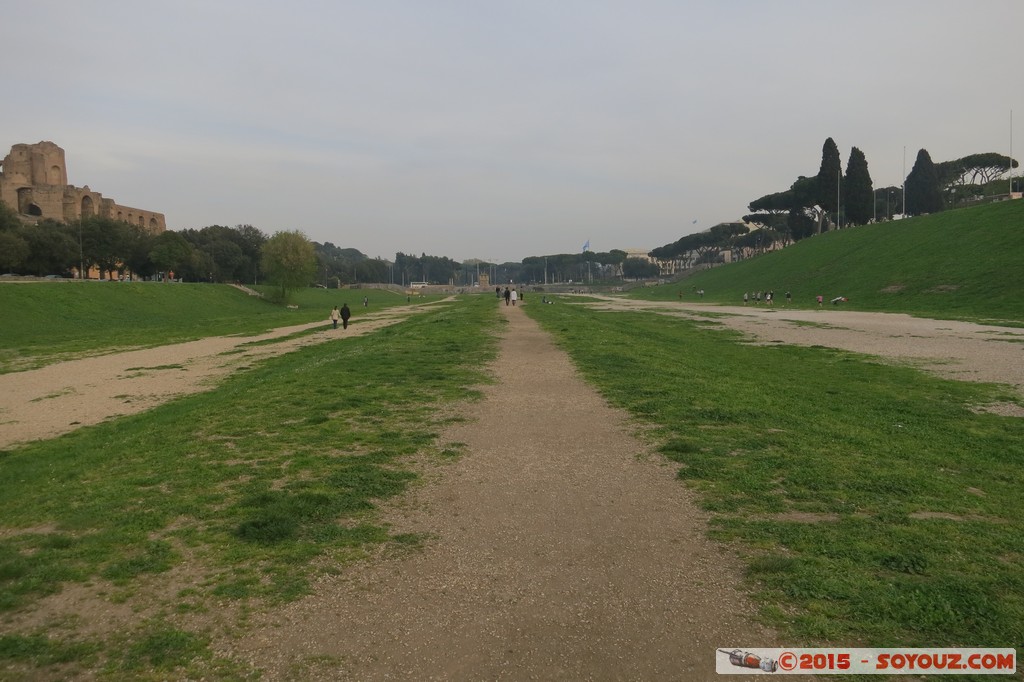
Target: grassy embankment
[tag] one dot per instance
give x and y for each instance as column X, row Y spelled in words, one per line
column 967, row 263
column 196, row 512
column 46, row 322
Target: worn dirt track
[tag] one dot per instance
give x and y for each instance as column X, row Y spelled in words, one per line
column 558, row 550
column 58, row 398
column 558, row 546
column 964, row 351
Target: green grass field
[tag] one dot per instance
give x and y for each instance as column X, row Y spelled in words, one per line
column 871, row 505
column 967, row 263
column 250, row 489
column 45, row 322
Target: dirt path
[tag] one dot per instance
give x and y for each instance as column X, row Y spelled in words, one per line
column 58, row 398
column 557, row 551
column 955, row 350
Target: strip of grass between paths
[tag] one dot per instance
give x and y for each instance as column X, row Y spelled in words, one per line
column 872, row 506
column 49, row 322
column 237, row 496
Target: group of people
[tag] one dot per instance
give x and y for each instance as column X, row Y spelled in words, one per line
column 510, row 296
column 344, row 314
column 767, row 296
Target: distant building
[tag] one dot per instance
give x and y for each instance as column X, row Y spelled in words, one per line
column 34, row 182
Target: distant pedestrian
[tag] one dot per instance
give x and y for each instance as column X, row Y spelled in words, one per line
column 745, row 298
column 345, row 314
column 820, row 299
column 497, row 292
column 514, row 296
column 508, row 296
column 789, row 297
column 335, row 316
column 366, row 301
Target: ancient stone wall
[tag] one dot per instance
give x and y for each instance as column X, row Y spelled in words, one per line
column 34, row 182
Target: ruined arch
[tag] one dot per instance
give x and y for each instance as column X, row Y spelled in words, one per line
column 55, row 175
column 88, row 209
column 27, row 204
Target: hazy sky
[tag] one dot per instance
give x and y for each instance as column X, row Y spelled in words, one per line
column 498, row 130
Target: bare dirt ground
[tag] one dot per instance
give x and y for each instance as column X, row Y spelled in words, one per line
column 62, row 397
column 955, row 350
column 558, row 546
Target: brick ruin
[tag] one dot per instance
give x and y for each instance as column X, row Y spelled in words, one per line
column 34, row 182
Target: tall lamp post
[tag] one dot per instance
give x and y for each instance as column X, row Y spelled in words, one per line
column 81, row 253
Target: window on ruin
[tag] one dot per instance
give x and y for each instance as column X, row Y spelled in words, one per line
column 54, row 176
column 153, row 224
column 87, row 207
column 33, row 209
column 142, row 221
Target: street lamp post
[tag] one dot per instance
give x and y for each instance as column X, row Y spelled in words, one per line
column 81, row 253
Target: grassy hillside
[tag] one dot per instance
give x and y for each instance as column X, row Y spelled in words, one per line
column 965, row 263
column 44, row 320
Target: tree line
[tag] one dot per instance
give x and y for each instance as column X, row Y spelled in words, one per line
column 812, row 205
column 832, row 199
column 116, row 249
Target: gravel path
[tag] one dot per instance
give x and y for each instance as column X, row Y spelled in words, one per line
column 558, row 551
column 58, row 398
column 955, row 350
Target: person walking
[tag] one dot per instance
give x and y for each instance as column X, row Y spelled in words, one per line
column 335, row 316
column 508, row 296
column 366, row 301
column 345, row 314
column 514, row 296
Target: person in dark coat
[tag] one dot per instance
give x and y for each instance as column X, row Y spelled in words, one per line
column 345, row 314
column 508, row 296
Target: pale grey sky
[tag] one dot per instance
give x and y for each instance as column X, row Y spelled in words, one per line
column 497, row 130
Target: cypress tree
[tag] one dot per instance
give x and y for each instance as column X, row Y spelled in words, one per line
column 829, row 177
column 923, row 192
column 859, row 198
